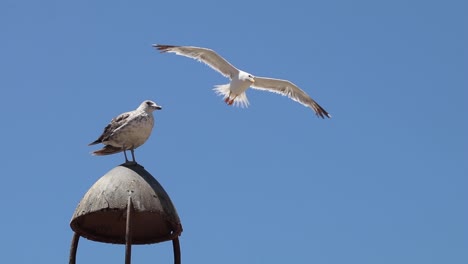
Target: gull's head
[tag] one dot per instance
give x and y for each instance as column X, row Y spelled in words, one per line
column 149, row 106
column 247, row 77
column 251, row 78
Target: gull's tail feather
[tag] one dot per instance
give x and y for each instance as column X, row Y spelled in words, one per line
column 95, row 142
column 240, row 100
column 107, row 150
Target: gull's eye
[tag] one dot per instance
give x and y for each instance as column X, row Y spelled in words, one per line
column 148, row 103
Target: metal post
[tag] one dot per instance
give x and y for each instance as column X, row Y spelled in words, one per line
column 128, row 232
column 176, row 248
column 74, row 248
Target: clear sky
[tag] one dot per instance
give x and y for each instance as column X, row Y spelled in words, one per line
column 383, row 181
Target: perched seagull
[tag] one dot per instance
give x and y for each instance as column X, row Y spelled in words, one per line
column 128, row 131
column 234, row 92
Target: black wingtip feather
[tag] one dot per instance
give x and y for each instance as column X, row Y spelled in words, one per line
column 320, row 112
column 163, row 48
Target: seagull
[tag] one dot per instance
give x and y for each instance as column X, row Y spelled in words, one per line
column 127, row 131
column 234, row 92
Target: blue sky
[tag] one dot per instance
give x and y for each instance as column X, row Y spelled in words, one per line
column 383, row 181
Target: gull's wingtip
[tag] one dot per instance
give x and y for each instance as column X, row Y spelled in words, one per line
column 164, row 48
column 161, row 48
column 320, row 112
column 323, row 115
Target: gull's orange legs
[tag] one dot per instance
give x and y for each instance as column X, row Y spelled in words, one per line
column 228, row 99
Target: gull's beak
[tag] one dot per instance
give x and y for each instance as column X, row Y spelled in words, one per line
column 158, row 107
column 252, row 80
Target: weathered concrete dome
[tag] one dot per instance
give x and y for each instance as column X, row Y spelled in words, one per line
column 101, row 215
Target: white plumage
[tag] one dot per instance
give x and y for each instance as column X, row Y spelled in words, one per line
column 234, row 92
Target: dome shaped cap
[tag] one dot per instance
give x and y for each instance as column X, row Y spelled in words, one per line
column 101, row 214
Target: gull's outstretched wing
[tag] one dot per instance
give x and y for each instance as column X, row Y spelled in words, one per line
column 289, row 89
column 207, row 56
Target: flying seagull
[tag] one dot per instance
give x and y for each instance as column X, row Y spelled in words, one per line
column 127, row 131
column 234, row 92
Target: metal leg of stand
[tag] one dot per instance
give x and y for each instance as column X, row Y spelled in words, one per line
column 128, row 232
column 176, row 248
column 74, row 248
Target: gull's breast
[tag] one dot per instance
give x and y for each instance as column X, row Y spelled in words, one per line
column 238, row 86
